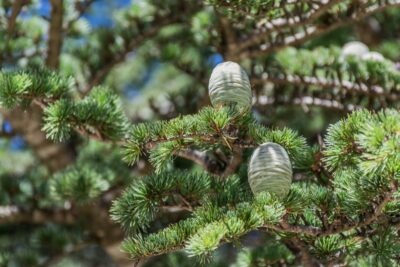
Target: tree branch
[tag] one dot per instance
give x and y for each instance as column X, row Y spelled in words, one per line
column 280, row 24
column 284, row 227
column 201, row 158
column 135, row 43
column 55, row 34
column 196, row 156
column 235, row 161
column 28, row 124
column 335, row 228
column 12, row 19
column 305, row 257
column 14, row 215
column 305, row 102
column 228, row 42
column 348, row 86
column 280, row 41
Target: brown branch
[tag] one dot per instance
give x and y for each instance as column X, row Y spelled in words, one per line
column 7, row 134
column 359, row 88
column 228, row 42
column 315, row 30
column 212, row 164
column 283, row 23
column 299, row 177
column 55, row 34
column 305, row 257
column 235, row 161
column 271, row 9
column 135, row 43
column 187, row 206
column 196, row 156
column 305, row 102
column 175, row 209
column 43, row 103
column 284, row 227
column 28, row 124
column 14, row 215
column 370, row 218
column 12, row 19
column 333, row 228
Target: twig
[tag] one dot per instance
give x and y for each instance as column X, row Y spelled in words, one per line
column 174, row 209
column 199, row 157
column 188, row 206
column 234, row 163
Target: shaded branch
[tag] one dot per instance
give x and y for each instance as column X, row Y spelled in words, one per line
column 228, row 42
column 305, row 102
column 201, row 158
column 280, row 41
column 135, row 43
column 305, row 256
column 348, row 86
column 14, row 215
column 12, row 19
column 234, row 163
column 269, row 9
column 335, row 228
column 284, row 227
column 55, row 34
column 212, row 165
column 280, row 24
column 28, row 124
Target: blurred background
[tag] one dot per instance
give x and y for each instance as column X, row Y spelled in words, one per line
column 157, row 56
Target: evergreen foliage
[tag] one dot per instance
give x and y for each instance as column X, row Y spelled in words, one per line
column 143, row 160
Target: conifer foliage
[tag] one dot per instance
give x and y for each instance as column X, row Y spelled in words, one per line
column 285, row 154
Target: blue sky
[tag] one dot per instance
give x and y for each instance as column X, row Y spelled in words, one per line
column 98, row 14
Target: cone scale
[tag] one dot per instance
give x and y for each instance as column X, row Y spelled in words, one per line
column 270, row 170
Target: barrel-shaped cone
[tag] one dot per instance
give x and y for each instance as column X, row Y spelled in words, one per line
column 229, row 85
column 270, row 170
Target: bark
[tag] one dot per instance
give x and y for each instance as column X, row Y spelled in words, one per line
column 28, row 123
column 273, row 44
column 55, row 34
column 12, row 19
column 109, row 234
column 234, row 163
